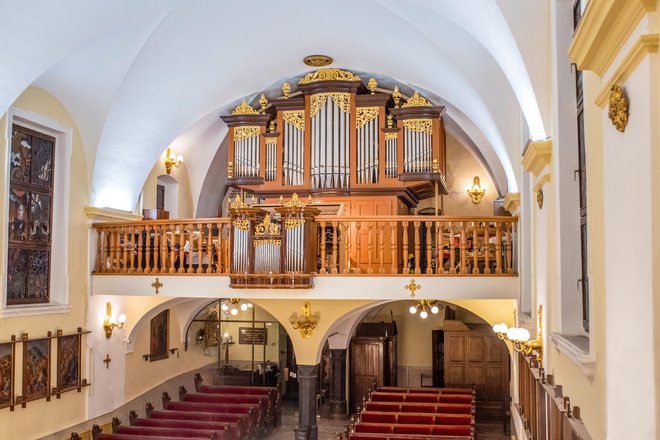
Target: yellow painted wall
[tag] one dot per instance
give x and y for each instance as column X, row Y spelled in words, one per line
column 70, row 409
column 180, row 174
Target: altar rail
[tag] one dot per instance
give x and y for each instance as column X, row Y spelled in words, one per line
column 375, row 245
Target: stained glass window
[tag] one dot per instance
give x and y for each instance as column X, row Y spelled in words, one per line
column 30, row 216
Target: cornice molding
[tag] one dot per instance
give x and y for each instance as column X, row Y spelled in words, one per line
column 537, row 155
column 645, row 44
column 545, row 178
column 512, row 203
column 586, row 361
column 605, row 27
column 110, row 215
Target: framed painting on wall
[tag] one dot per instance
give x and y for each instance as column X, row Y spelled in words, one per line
column 159, row 342
column 68, row 362
column 6, row 374
column 36, row 369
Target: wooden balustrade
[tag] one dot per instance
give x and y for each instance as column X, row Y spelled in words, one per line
column 373, row 245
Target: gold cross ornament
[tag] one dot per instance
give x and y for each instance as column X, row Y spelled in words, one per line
column 412, row 287
column 157, row 285
column 107, row 361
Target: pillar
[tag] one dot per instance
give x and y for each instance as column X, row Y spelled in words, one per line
column 307, row 377
column 338, row 382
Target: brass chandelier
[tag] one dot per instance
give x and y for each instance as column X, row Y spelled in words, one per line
column 424, row 306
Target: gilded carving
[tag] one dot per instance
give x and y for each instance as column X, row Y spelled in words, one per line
column 330, row 74
column 242, row 133
column 266, row 227
column 237, row 203
column 365, row 114
column 417, row 101
column 262, row 241
column 390, row 136
column 371, row 85
column 230, row 170
column 539, row 198
column 396, row 96
column 295, row 202
column 293, row 223
column 243, row 225
column 271, row 141
column 317, row 60
column 342, row 100
column 244, row 109
column 618, row 111
column 419, row 125
column 295, row 118
column 286, row 90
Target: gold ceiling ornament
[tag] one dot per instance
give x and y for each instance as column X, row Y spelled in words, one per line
column 412, row 287
column 243, row 224
column 293, row 223
column 390, row 136
column 237, row 203
column 295, row 118
column 417, row 101
column 245, row 132
column 263, row 241
column 230, row 170
column 519, row 338
column 618, row 111
column 330, row 74
column 263, row 102
column 418, row 125
column 539, row 198
column 343, row 101
column 266, row 227
column 364, row 115
column 295, row 202
column 371, row 85
column 271, row 141
column 396, row 96
column 244, row 109
column 317, row 60
column 286, row 90
column 305, row 323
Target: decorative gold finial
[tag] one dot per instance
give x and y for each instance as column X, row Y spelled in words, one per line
column 417, row 101
column 412, row 287
column 253, row 200
column 238, row 203
column 230, row 170
column 390, row 121
column 271, row 126
column 396, row 95
column 286, row 90
column 371, row 85
column 244, row 109
column 295, row 202
column 618, row 111
column 263, row 102
column 434, row 166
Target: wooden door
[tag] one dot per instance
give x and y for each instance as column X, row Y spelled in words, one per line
column 438, row 350
column 367, row 362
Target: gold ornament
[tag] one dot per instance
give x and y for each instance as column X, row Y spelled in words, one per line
column 263, row 102
column 293, row 223
column 434, row 166
column 331, row 74
column 244, row 109
column 396, row 96
column 390, row 136
column 371, row 85
column 286, row 90
column 295, row 202
column 230, row 170
column 271, row 141
column 241, row 224
column 242, row 133
column 304, row 323
column 618, row 111
column 417, row 101
column 237, row 203
column 364, row 115
column 419, row 125
column 317, row 60
column 262, row 241
column 295, row 118
column 412, row 287
column 539, row 198
column 266, row 227
column 343, row 101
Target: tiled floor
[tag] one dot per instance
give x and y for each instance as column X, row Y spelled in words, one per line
column 327, row 428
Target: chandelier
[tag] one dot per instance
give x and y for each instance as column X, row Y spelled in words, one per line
column 424, row 306
column 230, row 306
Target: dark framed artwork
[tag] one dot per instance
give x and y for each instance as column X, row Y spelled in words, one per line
column 36, row 369
column 160, row 197
column 159, row 343
column 249, row 335
column 7, row 374
column 68, row 362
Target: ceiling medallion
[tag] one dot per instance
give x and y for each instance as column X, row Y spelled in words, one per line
column 318, row 60
column 618, row 111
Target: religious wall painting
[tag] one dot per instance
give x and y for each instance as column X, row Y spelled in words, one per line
column 212, row 330
column 68, row 362
column 159, row 342
column 19, row 205
column 6, row 374
column 36, row 369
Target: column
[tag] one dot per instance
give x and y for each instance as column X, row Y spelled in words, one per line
column 307, row 377
column 338, row 383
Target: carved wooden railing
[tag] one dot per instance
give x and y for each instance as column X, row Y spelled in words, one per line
column 374, row 245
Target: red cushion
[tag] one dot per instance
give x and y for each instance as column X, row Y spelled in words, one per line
column 377, row 428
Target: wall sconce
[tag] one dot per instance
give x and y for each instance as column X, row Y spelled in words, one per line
column 476, row 191
column 111, row 321
column 424, row 306
column 519, row 337
column 234, row 305
column 172, row 159
column 304, row 323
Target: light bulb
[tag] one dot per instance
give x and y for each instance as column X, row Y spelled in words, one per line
column 234, row 311
column 496, row 328
column 435, row 309
column 224, row 307
column 523, row 335
column 249, row 305
column 112, row 319
column 121, row 319
column 244, row 307
column 512, row 333
column 503, row 328
column 412, row 309
column 423, row 314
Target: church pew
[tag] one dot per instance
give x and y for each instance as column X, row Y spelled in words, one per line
column 440, row 408
column 242, row 420
column 265, row 411
column 427, row 390
column 234, row 430
column 386, row 428
column 272, row 393
column 256, row 420
column 173, row 432
column 421, row 398
column 416, row 418
column 97, row 434
column 367, row 436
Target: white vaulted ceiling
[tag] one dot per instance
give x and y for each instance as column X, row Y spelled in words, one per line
column 140, row 75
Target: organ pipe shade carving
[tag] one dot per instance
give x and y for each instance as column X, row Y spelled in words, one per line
column 365, row 114
column 244, row 109
column 295, row 118
column 417, row 101
column 266, row 227
column 343, row 101
column 331, row 74
column 419, row 125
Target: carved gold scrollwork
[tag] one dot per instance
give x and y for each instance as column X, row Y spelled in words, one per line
column 342, row 100
column 618, row 111
column 293, row 223
column 243, row 225
column 419, row 125
column 295, row 118
column 242, row 133
column 365, row 114
column 271, row 141
column 331, row 74
column 417, row 101
column 244, row 109
column 266, row 227
column 237, row 203
column 262, row 241
column 390, row 136
column 295, row 202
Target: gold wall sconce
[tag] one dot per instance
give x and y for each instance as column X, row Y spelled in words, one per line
column 111, row 321
column 424, row 306
column 476, row 191
column 172, row 159
column 519, row 337
column 305, row 323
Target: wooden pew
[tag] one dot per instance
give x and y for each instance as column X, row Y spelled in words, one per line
column 427, row 390
column 367, row 436
column 440, row 408
column 256, row 420
column 416, row 418
column 242, row 420
column 386, row 428
column 148, row 431
column 234, row 430
column 97, row 434
column 272, row 393
column 262, row 402
column 379, row 396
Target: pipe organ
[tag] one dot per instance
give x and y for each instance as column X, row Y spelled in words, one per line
column 335, row 134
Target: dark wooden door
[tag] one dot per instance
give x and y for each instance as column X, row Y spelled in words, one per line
column 438, row 350
column 367, row 365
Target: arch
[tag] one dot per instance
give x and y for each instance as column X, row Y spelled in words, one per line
column 171, row 202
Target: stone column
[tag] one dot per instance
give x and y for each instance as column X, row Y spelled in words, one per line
column 307, row 377
column 338, row 383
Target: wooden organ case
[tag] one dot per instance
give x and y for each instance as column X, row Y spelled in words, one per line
column 335, row 139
